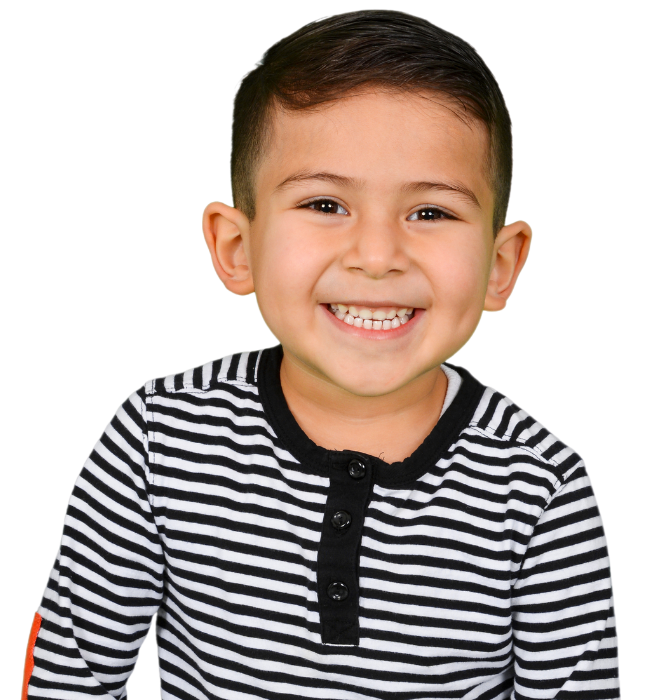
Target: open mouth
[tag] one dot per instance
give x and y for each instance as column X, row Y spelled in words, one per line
column 384, row 318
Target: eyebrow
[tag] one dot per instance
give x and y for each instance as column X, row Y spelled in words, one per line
column 344, row 181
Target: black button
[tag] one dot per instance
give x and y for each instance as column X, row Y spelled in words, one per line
column 341, row 519
column 337, row 591
column 356, row 469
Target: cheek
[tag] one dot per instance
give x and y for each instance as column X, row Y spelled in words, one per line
column 461, row 279
column 287, row 265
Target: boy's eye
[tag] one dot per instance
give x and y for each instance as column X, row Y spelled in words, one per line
column 330, row 207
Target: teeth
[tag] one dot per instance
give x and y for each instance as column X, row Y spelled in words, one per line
column 374, row 314
column 363, row 317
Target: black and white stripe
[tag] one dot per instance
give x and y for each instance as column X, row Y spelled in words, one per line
column 482, row 564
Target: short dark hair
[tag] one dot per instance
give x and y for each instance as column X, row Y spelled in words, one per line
column 327, row 59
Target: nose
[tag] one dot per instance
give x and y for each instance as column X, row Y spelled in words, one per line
column 376, row 247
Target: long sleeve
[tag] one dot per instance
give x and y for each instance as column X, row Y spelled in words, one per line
column 562, row 604
column 107, row 581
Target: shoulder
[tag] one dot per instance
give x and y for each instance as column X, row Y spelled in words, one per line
column 236, row 371
column 502, row 430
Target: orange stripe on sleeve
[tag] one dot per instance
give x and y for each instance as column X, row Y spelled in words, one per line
column 29, row 659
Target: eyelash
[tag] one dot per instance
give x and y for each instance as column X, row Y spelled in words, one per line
column 441, row 213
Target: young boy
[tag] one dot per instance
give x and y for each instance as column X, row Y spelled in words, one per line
column 345, row 515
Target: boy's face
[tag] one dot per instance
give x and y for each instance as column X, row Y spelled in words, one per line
column 380, row 202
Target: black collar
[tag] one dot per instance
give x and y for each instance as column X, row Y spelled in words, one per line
column 452, row 422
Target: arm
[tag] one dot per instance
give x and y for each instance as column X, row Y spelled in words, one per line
column 107, row 581
column 562, row 605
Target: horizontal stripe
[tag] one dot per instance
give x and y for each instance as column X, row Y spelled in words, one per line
column 485, row 576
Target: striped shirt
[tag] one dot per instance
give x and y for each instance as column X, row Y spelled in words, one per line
column 477, row 568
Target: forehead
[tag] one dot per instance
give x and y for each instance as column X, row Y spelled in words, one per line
column 379, row 139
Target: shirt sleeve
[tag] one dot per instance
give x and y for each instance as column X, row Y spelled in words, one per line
column 107, row 581
column 562, row 605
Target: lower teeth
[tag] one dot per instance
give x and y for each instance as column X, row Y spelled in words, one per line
column 370, row 324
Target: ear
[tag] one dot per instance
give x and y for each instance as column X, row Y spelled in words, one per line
column 226, row 232
column 509, row 254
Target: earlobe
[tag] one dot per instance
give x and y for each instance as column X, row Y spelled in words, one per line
column 226, row 234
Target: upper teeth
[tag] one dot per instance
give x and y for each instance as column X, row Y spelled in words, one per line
column 366, row 313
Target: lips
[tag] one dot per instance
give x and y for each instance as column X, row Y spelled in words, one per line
column 372, row 333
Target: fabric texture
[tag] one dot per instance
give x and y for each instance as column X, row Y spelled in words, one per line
column 477, row 568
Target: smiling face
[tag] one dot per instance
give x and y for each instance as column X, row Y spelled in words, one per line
column 369, row 206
